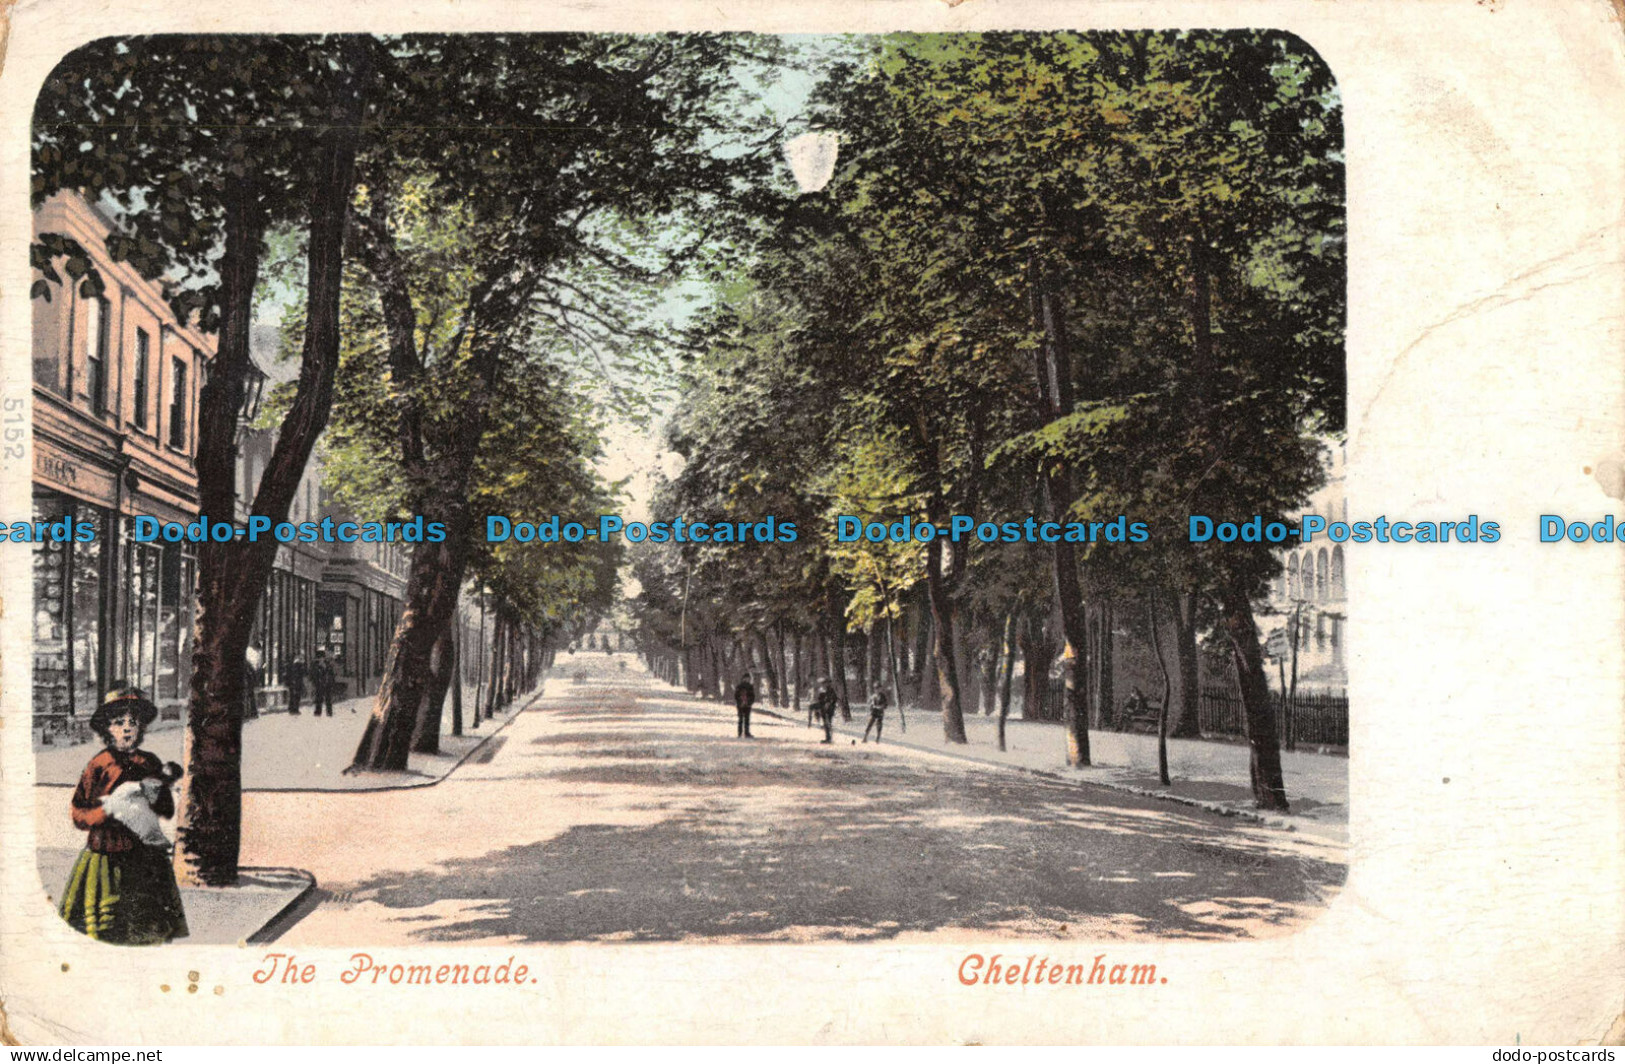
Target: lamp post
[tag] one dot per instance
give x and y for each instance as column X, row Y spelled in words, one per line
column 253, row 396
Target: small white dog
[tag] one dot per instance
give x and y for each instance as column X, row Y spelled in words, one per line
column 131, row 805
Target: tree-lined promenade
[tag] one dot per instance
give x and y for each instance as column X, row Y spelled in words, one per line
column 633, row 815
column 1067, row 277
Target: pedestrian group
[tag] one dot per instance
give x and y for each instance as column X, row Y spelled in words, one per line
column 821, row 708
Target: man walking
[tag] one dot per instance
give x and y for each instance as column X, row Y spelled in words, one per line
column 744, row 698
column 825, row 700
column 321, row 684
column 877, row 714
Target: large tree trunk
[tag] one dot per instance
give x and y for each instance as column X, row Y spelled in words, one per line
column 1053, row 368
column 1188, row 724
column 426, row 731
column 208, row 828
column 431, row 600
column 406, row 689
column 1269, row 790
column 232, row 576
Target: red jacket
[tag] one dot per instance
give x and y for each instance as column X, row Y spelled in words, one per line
column 104, row 773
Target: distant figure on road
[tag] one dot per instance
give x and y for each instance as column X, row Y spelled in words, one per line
column 825, row 700
column 744, row 698
column 321, row 685
column 293, row 674
column 877, row 714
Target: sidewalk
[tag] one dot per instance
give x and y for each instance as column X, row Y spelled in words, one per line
column 1205, row 773
column 282, row 752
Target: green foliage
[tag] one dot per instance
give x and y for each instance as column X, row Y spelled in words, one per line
column 1129, row 177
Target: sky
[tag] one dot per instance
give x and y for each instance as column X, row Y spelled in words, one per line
column 636, row 452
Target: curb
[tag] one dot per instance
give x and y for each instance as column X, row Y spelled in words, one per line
column 1124, row 788
column 470, row 752
column 265, row 933
column 1267, row 820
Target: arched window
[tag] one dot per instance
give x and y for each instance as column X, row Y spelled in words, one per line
column 1320, row 576
column 1338, row 592
column 1306, row 580
column 1292, row 576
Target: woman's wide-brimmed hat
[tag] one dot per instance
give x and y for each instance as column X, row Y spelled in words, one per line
column 119, row 701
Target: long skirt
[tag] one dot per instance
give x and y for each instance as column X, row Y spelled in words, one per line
column 129, row 898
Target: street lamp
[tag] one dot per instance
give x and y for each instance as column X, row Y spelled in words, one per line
column 253, row 395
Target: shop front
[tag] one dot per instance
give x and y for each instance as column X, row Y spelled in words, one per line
column 111, row 610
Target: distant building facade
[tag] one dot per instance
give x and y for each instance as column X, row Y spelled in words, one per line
column 341, row 598
column 358, row 606
column 1312, row 587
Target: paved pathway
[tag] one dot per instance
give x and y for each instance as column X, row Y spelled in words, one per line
column 1208, row 772
column 282, row 751
column 619, row 809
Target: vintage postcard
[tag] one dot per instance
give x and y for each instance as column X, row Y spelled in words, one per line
column 879, row 522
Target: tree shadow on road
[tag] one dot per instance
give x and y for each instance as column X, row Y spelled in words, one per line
column 788, row 841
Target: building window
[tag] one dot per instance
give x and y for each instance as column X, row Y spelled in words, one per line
column 1337, row 574
column 142, row 578
column 1306, row 584
column 177, row 404
column 97, row 340
column 69, row 598
column 143, row 370
column 1320, row 578
column 1292, row 576
column 47, row 345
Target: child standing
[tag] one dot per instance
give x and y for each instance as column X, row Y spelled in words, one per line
column 121, row 889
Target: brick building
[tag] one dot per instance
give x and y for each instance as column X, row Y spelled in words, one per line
column 116, row 380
